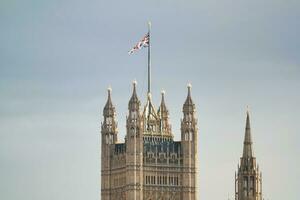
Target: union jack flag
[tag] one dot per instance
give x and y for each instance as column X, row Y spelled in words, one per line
column 144, row 42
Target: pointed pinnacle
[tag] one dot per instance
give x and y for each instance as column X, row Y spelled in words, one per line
column 163, row 97
column 189, row 86
column 189, row 100
column 162, row 108
column 248, row 121
column 133, row 99
column 247, row 151
column 108, row 106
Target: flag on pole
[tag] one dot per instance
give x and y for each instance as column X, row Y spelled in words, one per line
column 144, row 42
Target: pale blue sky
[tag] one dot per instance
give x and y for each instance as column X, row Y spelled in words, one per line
column 58, row 57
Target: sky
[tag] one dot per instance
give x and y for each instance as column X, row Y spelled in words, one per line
column 57, row 59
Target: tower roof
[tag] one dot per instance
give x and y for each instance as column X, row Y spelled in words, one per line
column 189, row 104
column 247, row 150
column 162, row 110
column 109, row 109
column 134, row 101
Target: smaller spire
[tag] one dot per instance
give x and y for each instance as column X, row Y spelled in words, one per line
column 189, row 102
column 149, row 109
column 247, row 151
column 163, row 112
column 134, row 98
column 150, row 117
column 108, row 106
column 163, row 107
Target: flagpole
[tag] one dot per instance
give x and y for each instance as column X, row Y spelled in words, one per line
column 149, row 60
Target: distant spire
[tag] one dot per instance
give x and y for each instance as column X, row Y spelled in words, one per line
column 134, row 101
column 108, row 108
column 150, row 115
column 149, row 110
column 188, row 104
column 163, row 114
column 163, row 108
column 247, row 151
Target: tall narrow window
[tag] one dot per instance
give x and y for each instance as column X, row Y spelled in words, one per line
column 191, row 136
column 245, row 186
column 252, row 185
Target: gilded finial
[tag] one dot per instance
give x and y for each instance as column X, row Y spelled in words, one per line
column 134, row 82
column 109, row 89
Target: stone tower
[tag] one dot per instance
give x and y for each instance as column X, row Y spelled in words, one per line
column 248, row 179
column 150, row 164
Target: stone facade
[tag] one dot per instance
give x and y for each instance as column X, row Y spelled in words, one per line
column 149, row 165
column 248, row 179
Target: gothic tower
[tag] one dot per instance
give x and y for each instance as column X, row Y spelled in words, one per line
column 134, row 148
column 109, row 133
column 248, row 179
column 189, row 135
column 150, row 164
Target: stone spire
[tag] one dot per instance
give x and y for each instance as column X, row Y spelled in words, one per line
column 162, row 110
column 189, row 105
column 151, row 119
column 189, row 122
column 247, row 150
column 134, row 102
column 248, row 179
column 109, row 109
column 109, row 125
column 163, row 113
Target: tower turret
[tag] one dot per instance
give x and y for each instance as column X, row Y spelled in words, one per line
column 189, row 121
column 134, row 103
column 109, row 133
column 189, row 136
column 134, row 116
column 109, row 125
